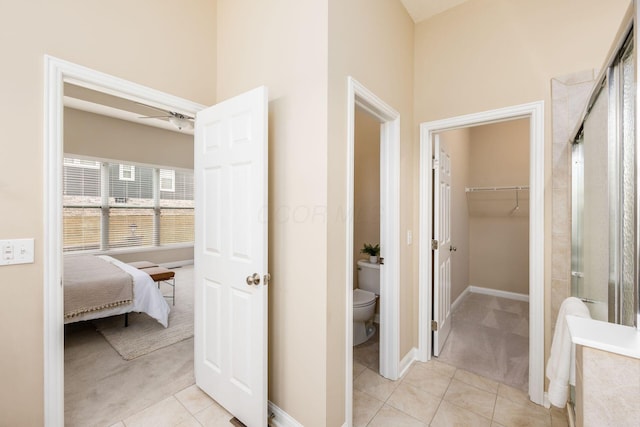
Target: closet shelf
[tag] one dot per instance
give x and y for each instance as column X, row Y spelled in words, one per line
column 513, row 187
column 505, row 201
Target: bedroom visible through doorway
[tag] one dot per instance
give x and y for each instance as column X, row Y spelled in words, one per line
column 127, row 192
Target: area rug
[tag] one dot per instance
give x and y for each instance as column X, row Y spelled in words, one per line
column 144, row 334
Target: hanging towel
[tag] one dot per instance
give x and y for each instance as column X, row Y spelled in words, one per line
column 561, row 363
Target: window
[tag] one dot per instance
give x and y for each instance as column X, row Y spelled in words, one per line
column 127, row 173
column 167, row 180
column 110, row 206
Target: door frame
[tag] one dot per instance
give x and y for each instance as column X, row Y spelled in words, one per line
column 359, row 96
column 56, row 73
column 535, row 113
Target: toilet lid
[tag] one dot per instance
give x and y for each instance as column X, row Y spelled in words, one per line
column 362, row 297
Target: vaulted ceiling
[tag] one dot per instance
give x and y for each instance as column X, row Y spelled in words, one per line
column 424, row 9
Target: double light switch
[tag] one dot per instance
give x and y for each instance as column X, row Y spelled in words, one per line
column 16, row 251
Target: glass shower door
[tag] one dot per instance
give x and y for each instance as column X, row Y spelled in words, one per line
column 590, row 251
column 604, row 255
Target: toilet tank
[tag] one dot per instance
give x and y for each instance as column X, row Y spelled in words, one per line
column 369, row 276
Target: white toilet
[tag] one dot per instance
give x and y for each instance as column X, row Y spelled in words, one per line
column 364, row 301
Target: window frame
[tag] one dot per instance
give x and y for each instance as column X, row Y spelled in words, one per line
column 106, row 207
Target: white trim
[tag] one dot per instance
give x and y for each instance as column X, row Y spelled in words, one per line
column 407, row 361
column 358, row 95
column 57, row 72
column 535, row 112
column 279, row 418
column 498, row 293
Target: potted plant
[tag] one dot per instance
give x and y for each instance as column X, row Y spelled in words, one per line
column 372, row 251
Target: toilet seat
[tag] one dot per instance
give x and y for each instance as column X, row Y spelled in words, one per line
column 362, row 298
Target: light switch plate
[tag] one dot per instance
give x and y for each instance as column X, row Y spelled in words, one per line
column 16, row 251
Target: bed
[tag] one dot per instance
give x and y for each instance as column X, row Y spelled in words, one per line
column 101, row 286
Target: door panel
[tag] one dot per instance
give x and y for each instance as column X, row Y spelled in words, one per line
column 230, row 246
column 442, row 255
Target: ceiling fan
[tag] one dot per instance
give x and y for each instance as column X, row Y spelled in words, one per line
column 179, row 120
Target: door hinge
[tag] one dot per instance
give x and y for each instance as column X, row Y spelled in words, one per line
column 434, row 245
column 435, row 163
column 434, row 325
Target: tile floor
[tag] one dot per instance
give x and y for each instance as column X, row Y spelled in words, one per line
column 190, row 407
column 429, row 394
column 450, row 394
column 436, row 394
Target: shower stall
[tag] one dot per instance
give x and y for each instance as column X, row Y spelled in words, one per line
column 604, row 252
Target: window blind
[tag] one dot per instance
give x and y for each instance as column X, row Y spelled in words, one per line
column 146, row 206
column 177, row 210
column 82, row 204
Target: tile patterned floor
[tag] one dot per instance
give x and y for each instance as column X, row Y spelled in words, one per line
column 449, row 394
column 430, row 394
column 433, row 394
column 190, row 407
column 436, row 394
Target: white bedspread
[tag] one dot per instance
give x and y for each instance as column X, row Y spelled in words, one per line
column 147, row 298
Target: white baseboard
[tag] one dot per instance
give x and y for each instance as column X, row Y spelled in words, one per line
column 407, row 361
column 279, row 418
column 497, row 293
column 460, row 298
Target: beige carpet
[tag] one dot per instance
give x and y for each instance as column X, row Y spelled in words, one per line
column 490, row 337
column 144, row 334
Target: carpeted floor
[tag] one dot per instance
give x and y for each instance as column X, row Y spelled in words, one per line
column 144, row 334
column 490, row 337
column 102, row 388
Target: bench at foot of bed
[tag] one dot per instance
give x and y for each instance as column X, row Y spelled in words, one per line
column 159, row 275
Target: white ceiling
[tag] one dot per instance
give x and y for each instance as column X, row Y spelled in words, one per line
column 424, row 9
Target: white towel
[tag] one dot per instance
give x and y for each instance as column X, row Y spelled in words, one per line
column 561, row 364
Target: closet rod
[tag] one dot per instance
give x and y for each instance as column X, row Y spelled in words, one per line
column 515, row 187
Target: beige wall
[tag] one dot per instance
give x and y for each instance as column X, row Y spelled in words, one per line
column 283, row 44
column 372, row 42
column 457, row 142
column 487, row 54
column 149, row 42
column 366, row 203
column 94, row 135
column 499, row 236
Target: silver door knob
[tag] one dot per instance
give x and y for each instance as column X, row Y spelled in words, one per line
column 254, row 279
column 452, row 248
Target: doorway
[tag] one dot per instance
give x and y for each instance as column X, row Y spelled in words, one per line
column 58, row 73
column 389, row 367
column 246, row 115
column 482, row 278
column 534, row 112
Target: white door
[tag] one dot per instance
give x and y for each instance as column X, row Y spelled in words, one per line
column 442, row 252
column 230, row 255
